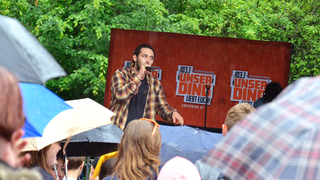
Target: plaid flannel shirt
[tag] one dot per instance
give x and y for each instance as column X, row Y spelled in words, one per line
column 124, row 85
column 281, row 140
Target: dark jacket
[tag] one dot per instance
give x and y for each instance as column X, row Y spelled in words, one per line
column 45, row 175
column 259, row 102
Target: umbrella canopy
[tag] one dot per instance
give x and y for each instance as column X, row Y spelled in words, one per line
column 95, row 142
column 40, row 105
column 281, row 140
column 86, row 115
column 22, row 54
column 184, row 141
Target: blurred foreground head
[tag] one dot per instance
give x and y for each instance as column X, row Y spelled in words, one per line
column 179, row 168
column 139, row 151
column 11, row 113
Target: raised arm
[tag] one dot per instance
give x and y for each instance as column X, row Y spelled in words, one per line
column 123, row 87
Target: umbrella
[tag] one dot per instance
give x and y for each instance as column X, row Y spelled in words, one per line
column 22, row 54
column 279, row 141
column 95, row 142
column 85, row 115
column 40, row 105
column 184, row 141
column 102, row 159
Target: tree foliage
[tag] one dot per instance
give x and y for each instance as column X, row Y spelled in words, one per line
column 77, row 33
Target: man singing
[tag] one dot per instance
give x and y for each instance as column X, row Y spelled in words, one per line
column 137, row 94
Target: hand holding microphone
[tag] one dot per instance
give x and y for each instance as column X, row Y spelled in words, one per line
column 145, row 69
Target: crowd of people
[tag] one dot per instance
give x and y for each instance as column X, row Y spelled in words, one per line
column 137, row 156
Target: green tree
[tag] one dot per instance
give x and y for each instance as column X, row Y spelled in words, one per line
column 77, row 33
column 295, row 21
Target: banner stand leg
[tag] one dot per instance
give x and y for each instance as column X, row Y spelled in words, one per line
column 205, row 115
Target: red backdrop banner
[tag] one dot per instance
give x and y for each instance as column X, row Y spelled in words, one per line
column 236, row 70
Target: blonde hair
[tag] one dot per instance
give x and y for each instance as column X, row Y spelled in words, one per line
column 237, row 113
column 38, row 158
column 138, row 156
column 11, row 113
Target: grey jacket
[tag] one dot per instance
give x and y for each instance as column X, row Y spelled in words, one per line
column 8, row 173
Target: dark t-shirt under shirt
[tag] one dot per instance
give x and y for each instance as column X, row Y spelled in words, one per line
column 138, row 102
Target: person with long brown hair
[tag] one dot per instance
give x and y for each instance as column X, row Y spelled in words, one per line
column 138, row 156
column 43, row 159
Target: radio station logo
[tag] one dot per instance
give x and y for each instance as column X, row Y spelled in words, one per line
column 157, row 73
column 193, row 84
column 245, row 88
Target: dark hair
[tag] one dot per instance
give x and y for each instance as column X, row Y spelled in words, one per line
column 75, row 162
column 137, row 51
column 60, row 156
column 95, row 162
column 107, row 168
column 11, row 113
column 272, row 91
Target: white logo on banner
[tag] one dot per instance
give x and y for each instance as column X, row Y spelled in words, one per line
column 192, row 84
column 245, row 88
column 157, row 73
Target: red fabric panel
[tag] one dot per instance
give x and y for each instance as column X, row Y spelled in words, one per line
column 213, row 54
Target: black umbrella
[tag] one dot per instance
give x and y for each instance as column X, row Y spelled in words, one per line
column 22, row 54
column 95, row 142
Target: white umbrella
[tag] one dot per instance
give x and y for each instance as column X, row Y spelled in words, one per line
column 86, row 115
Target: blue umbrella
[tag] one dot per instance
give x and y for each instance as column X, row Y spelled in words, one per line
column 184, row 141
column 40, row 105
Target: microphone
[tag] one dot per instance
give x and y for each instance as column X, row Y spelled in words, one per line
column 150, row 69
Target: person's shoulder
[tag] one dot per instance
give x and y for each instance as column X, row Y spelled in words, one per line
column 200, row 162
column 7, row 172
column 259, row 102
column 154, row 80
column 207, row 171
column 201, row 165
column 111, row 177
column 45, row 175
column 123, row 70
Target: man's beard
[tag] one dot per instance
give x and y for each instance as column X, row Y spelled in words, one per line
column 138, row 65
